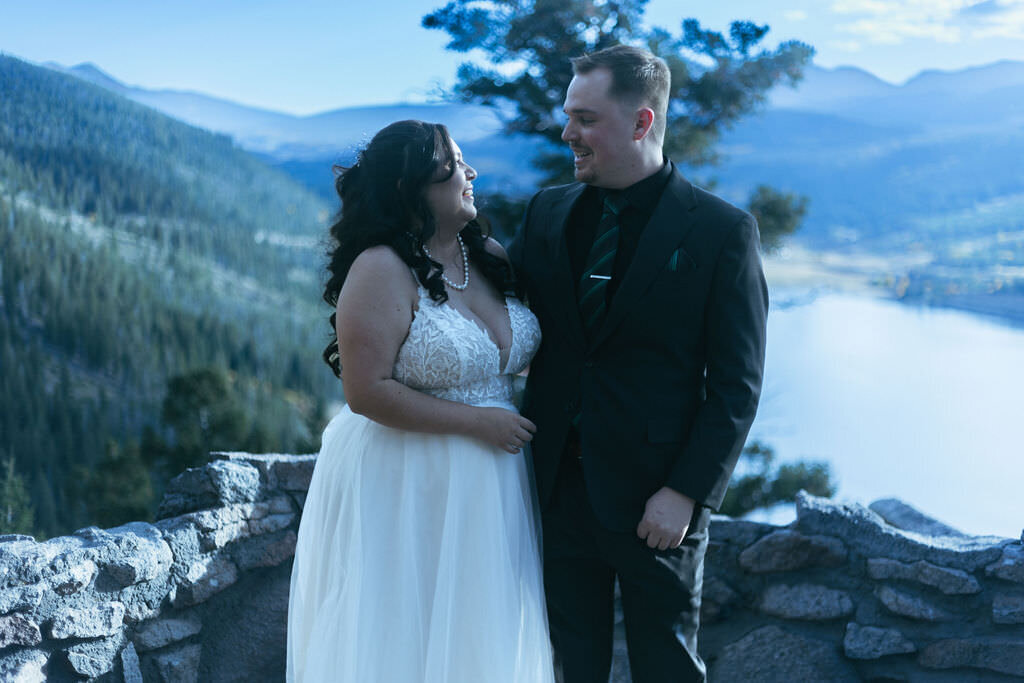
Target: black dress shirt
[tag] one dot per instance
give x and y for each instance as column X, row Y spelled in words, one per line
column 641, row 198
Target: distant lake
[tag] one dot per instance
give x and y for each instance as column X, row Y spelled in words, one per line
column 920, row 404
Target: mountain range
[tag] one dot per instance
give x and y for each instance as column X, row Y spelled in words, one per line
column 887, row 166
column 883, row 165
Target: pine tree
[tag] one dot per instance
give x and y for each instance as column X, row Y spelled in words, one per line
column 118, row 489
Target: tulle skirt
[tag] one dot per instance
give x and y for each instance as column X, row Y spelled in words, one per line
column 417, row 560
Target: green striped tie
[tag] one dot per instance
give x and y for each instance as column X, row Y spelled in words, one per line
column 593, row 287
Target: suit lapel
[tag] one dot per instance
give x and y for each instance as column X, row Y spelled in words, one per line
column 669, row 224
column 563, row 289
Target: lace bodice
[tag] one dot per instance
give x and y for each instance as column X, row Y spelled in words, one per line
column 450, row 356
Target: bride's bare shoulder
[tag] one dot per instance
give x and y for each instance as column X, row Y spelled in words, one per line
column 380, row 271
column 380, row 258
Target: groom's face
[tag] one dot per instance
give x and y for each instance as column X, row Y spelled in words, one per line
column 600, row 132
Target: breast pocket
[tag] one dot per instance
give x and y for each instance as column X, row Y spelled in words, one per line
column 680, row 262
column 677, row 277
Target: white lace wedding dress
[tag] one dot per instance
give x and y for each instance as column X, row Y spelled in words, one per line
column 417, row 556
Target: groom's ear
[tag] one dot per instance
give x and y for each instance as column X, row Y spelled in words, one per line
column 643, row 121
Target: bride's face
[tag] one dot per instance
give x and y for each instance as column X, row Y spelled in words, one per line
column 451, row 201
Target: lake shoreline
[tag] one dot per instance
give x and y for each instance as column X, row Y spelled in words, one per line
column 801, row 275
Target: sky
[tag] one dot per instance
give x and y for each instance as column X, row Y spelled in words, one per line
column 305, row 57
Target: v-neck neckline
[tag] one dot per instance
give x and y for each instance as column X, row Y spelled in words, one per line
column 485, row 331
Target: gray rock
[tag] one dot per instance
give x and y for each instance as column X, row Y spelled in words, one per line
column 161, row 632
column 871, row 642
column 865, row 531
column 74, row 579
column 130, row 665
column 265, row 551
column 771, row 655
column 231, row 523
column 143, row 600
column 92, row 534
column 949, row 581
column 11, row 538
column 206, row 577
column 906, row 517
column 72, row 564
column 1004, row 655
column 217, row 539
column 806, row 601
column 142, row 554
column 271, row 523
column 280, row 505
column 786, row 550
column 294, row 472
column 1010, row 565
column 219, row 483
column 180, row 665
column 96, row 657
column 16, row 629
column 90, row 622
column 182, row 537
column 736, row 532
column 227, row 515
column 912, row 606
column 23, row 666
column 25, row 562
column 263, row 462
column 719, row 591
column 716, row 597
column 21, row 598
column 1008, row 609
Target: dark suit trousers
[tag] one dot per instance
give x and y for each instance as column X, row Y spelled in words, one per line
column 660, row 591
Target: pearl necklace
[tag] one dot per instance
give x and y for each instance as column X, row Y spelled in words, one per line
column 465, row 265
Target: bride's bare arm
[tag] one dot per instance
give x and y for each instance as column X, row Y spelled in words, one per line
column 375, row 308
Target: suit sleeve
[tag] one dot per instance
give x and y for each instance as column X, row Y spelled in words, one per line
column 735, row 320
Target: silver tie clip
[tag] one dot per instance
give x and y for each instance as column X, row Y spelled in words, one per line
column 601, row 277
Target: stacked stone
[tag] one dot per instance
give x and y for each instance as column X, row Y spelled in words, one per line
column 844, row 595
column 137, row 602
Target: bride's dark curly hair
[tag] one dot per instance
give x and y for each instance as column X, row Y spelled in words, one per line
column 383, row 203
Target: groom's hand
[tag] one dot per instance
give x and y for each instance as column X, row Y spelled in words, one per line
column 666, row 519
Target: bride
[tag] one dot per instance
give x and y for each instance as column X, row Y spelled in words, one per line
column 417, row 556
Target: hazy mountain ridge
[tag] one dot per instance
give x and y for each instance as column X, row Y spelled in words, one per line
column 287, row 136
column 307, row 146
column 902, row 144
column 879, row 164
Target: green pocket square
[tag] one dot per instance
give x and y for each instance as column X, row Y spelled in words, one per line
column 680, row 260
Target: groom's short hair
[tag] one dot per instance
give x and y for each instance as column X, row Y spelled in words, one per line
column 638, row 78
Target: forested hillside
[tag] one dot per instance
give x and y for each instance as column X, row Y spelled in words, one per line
column 137, row 250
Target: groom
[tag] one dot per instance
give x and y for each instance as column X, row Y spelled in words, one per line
column 652, row 302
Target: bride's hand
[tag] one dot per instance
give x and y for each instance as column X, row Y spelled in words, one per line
column 503, row 428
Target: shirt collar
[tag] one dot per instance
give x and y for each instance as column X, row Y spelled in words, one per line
column 645, row 193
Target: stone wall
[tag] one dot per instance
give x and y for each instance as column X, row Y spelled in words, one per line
column 845, row 593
